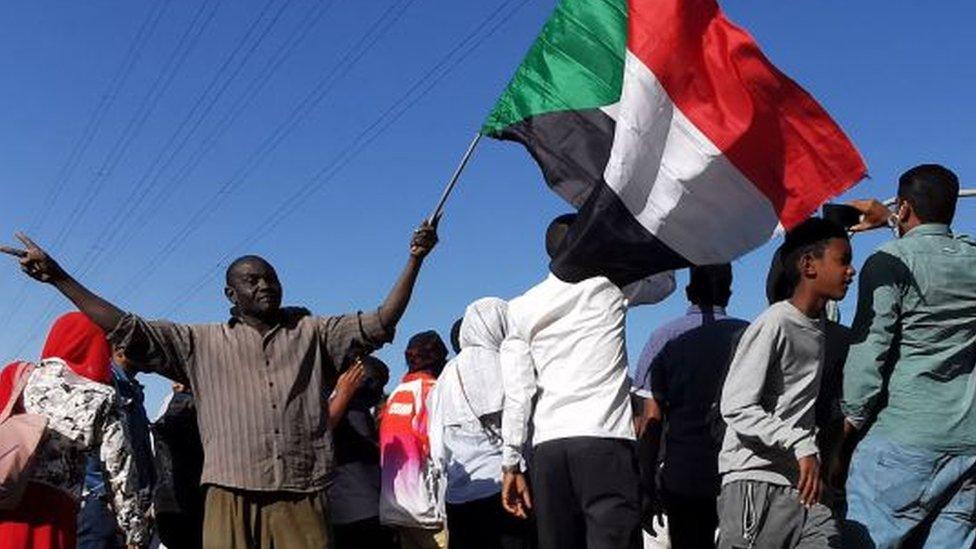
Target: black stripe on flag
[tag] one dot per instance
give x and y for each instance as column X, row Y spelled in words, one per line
column 572, row 148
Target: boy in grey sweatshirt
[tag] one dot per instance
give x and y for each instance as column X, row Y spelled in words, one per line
column 769, row 460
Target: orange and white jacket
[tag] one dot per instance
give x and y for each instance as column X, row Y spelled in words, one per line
column 410, row 489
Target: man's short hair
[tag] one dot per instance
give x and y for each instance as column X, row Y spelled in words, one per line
column 810, row 237
column 710, row 284
column 556, row 232
column 240, row 261
column 376, row 371
column 932, row 190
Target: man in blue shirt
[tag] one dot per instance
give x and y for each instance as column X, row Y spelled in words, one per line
column 97, row 527
column 680, row 374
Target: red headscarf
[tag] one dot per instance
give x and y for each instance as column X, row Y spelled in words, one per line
column 78, row 341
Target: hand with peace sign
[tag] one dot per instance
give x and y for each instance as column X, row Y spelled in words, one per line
column 38, row 265
column 34, row 261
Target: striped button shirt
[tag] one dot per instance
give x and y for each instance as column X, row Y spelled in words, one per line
column 262, row 400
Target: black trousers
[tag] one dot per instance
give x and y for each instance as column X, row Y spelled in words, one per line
column 179, row 530
column 692, row 521
column 585, row 493
column 484, row 524
column 364, row 534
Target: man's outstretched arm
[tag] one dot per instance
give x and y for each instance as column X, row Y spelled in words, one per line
column 41, row 267
column 392, row 309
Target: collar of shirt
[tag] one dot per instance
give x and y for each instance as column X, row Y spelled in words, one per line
column 288, row 316
column 929, row 229
column 715, row 310
column 126, row 385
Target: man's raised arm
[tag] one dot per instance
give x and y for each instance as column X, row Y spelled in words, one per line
column 41, row 267
column 392, row 309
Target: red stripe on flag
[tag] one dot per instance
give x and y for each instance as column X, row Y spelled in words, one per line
column 769, row 127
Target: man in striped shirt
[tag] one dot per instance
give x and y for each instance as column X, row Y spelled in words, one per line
column 261, row 381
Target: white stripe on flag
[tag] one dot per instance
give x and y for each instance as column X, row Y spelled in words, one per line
column 676, row 182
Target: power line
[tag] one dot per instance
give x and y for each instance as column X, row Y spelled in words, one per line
column 186, row 44
column 328, row 82
column 201, row 20
column 103, row 106
column 307, row 21
column 199, row 111
column 493, row 22
column 405, row 102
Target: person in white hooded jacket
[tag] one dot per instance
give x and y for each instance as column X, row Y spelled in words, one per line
column 465, row 435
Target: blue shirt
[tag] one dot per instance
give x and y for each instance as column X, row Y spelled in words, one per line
column 130, row 399
column 686, row 363
column 694, row 318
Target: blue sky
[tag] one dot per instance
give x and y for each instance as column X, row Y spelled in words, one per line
column 145, row 181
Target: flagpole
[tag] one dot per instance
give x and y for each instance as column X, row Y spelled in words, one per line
column 435, row 217
column 963, row 193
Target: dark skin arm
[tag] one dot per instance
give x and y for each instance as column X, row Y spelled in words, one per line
column 37, row 264
column 392, row 309
column 648, row 448
column 346, row 387
column 516, row 497
column 41, row 267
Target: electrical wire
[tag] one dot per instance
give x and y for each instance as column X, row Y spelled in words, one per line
column 105, row 103
column 124, row 215
column 138, row 222
column 328, row 82
column 380, row 125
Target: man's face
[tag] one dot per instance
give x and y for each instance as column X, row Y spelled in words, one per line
column 253, row 287
column 834, row 272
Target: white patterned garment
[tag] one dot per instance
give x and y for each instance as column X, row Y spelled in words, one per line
column 83, row 417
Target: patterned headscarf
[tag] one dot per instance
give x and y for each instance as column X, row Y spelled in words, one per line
column 78, row 341
column 426, row 352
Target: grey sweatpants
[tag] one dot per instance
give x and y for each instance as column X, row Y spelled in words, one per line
column 759, row 514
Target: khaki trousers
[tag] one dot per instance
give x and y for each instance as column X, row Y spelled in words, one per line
column 241, row 519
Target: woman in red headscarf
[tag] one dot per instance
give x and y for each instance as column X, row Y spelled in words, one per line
column 72, row 388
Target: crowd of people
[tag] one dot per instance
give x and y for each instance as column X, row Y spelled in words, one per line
column 791, row 430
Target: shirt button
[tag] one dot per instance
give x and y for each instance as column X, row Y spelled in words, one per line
column 277, row 432
column 274, row 406
column 271, row 384
column 267, row 363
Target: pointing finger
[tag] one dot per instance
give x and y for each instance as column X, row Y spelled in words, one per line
column 13, row 251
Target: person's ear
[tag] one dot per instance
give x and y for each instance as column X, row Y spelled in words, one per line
column 808, row 268
column 230, row 294
column 905, row 211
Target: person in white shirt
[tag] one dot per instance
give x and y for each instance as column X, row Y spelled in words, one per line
column 564, row 371
column 465, row 435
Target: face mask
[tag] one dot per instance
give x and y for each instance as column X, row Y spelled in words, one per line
column 894, row 221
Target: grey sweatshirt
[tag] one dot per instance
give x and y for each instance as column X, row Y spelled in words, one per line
column 769, row 397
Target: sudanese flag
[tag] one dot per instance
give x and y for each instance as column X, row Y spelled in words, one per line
column 670, row 131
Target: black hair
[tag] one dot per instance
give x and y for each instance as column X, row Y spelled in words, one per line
column 932, row 190
column 376, row 370
column 376, row 376
column 456, row 335
column 710, row 284
column 242, row 260
column 778, row 287
column 807, row 238
column 556, row 232
column 426, row 352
